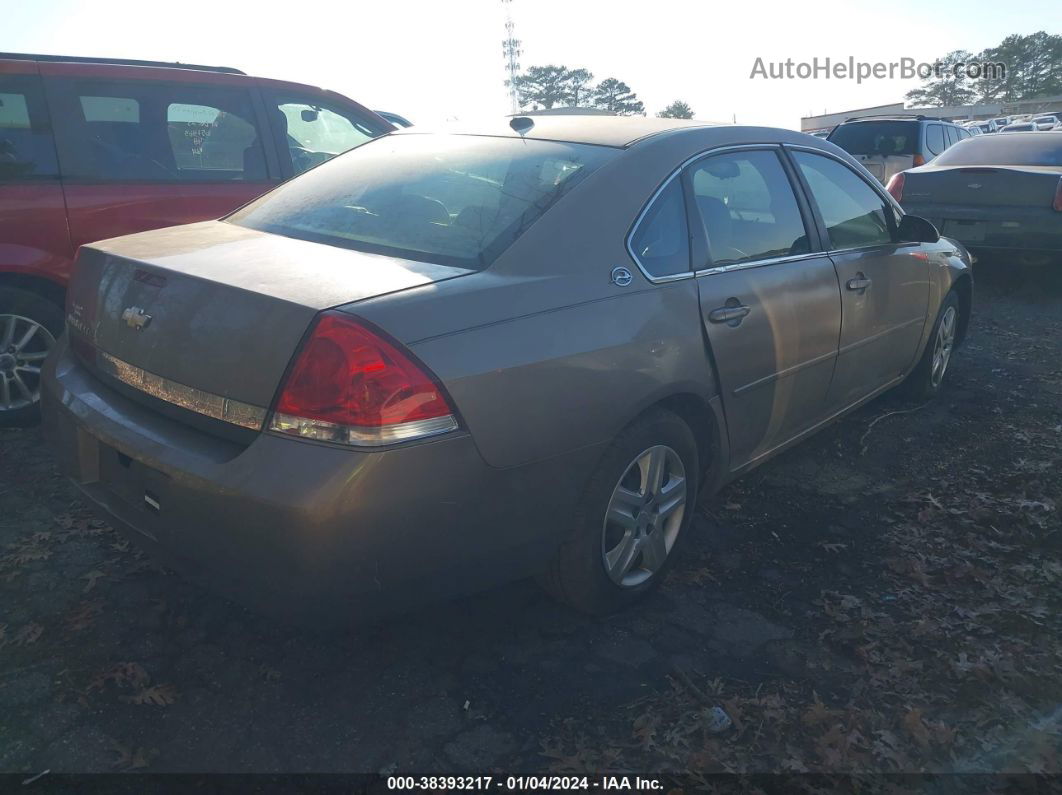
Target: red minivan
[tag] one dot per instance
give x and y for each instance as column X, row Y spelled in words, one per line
column 95, row 148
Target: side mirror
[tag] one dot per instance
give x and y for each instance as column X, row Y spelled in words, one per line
column 913, row 229
column 309, row 115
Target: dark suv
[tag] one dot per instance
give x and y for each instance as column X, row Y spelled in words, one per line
column 93, row 149
column 887, row 146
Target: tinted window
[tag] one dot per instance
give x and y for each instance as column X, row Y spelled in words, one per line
column 451, row 199
column 877, row 137
column 963, row 133
column 1005, row 150
column 26, row 147
column 747, row 206
column 935, row 138
column 953, row 135
column 662, row 240
column 312, row 133
column 854, row 214
column 146, row 131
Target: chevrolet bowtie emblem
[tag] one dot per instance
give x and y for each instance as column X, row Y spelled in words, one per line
column 136, row 318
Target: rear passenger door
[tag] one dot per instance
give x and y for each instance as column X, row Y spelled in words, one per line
column 138, row 154
column 884, row 283
column 769, row 297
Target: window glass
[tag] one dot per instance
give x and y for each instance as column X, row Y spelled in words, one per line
column 662, row 240
column 883, row 137
column 854, row 214
column 161, row 132
column 1006, row 150
column 452, row 199
column 26, row 147
column 209, row 143
column 747, row 206
column 313, row 133
column 953, row 135
column 935, row 138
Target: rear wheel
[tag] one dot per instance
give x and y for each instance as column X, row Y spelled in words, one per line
column 29, row 327
column 926, row 379
column 634, row 513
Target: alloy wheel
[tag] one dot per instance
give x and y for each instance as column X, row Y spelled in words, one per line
column 24, row 345
column 943, row 345
column 644, row 516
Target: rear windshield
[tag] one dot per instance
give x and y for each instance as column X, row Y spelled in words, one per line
column 1035, row 149
column 451, row 199
column 877, row 137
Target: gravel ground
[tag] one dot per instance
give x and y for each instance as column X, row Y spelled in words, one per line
column 883, row 597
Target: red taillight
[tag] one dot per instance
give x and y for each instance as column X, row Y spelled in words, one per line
column 348, row 384
column 1057, row 203
column 895, row 186
column 919, row 161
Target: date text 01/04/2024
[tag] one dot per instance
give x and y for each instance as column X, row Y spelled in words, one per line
column 524, row 783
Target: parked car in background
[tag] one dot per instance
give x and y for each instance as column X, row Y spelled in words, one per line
column 1003, row 121
column 445, row 360
column 988, row 127
column 888, row 145
column 999, row 193
column 92, row 149
column 974, row 128
column 1046, row 122
column 1020, row 126
column 394, row 118
column 821, row 134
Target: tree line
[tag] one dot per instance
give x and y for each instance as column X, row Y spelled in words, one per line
column 558, row 86
column 1033, row 68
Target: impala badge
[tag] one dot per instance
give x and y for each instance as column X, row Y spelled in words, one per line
column 621, row 277
column 136, row 318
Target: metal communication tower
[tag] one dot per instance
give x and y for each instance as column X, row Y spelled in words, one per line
column 511, row 53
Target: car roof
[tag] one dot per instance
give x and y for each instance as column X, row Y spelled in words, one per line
column 74, row 59
column 616, row 131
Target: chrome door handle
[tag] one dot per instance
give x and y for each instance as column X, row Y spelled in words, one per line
column 859, row 283
column 728, row 314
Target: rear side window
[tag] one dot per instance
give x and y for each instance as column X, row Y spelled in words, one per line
column 935, row 138
column 158, row 132
column 661, row 243
column 853, row 212
column 953, row 135
column 747, row 206
column 876, row 137
column 27, row 151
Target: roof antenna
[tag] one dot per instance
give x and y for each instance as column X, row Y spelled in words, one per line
column 522, row 123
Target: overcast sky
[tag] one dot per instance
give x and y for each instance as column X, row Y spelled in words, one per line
column 436, row 59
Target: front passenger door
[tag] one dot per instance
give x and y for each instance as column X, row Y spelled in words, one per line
column 884, row 283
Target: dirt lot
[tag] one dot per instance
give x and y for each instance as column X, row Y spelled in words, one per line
column 884, row 597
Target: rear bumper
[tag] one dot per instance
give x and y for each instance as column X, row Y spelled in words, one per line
column 1004, row 228
column 298, row 527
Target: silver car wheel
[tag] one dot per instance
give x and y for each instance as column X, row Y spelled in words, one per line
column 644, row 516
column 24, row 345
column 942, row 346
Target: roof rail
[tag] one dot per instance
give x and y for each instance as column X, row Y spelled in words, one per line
column 15, row 56
column 912, row 116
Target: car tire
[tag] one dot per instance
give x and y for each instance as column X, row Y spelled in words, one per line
column 21, row 311
column 926, row 380
column 588, row 571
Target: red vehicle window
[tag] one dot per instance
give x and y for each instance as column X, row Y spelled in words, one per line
column 26, row 147
column 158, row 132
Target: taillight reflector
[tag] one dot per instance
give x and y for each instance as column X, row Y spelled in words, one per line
column 895, row 186
column 919, row 160
column 350, row 385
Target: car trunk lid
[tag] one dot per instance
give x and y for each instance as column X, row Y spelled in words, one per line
column 214, row 312
column 997, row 186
